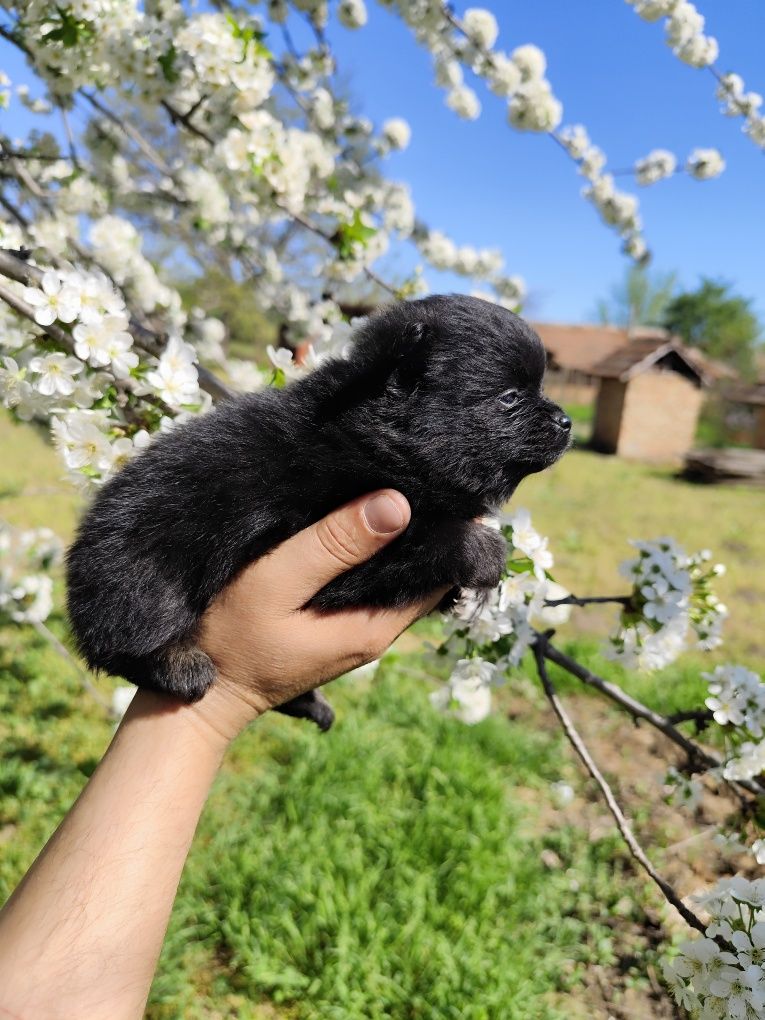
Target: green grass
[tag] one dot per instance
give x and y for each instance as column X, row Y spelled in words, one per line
column 591, row 505
column 34, row 491
column 390, row 870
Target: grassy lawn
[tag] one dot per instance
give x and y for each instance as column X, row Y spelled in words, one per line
column 397, row 869
column 404, row 866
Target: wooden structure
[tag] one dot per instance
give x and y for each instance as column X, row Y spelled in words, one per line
column 730, row 465
column 648, row 403
column 750, row 398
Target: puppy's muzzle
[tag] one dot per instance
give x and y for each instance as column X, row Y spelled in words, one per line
column 562, row 421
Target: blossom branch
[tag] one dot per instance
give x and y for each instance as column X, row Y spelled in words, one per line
column 700, row 716
column 15, row 268
column 697, row 755
column 619, row 817
column 64, row 339
column 590, row 600
column 64, row 652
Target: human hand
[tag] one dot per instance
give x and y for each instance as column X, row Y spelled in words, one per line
column 267, row 648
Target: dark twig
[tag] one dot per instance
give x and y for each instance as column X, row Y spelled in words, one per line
column 64, row 652
column 619, row 817
column 701, row 716
column 185, row 118
column 15, row 213
column 573, row 600
column 699, row 756
column 135, row 136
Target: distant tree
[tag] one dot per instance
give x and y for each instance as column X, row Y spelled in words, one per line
column 639, row 299
column 234, row 302
column 719, row 323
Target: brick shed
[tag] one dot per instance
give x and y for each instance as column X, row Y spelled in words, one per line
column 649, row 398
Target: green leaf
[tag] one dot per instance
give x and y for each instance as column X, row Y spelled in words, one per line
column 69, row 30
column 350, row 234
column 167, row 63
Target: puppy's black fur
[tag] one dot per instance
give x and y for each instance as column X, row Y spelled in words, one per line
column 440, row 399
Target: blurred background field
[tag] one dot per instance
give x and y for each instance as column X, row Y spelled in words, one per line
column 405, row 865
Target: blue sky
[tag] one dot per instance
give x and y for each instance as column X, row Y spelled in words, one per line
column 488, row 185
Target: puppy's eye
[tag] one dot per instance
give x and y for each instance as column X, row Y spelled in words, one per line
column 510, row 397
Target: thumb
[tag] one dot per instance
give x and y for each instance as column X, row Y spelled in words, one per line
column 348, row 536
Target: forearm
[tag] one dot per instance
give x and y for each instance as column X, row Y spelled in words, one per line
column 81, row 935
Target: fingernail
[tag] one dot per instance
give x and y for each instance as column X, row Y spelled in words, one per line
column 383, row 515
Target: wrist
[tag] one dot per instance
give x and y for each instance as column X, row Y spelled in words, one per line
column 225, row 711
column 213, row 722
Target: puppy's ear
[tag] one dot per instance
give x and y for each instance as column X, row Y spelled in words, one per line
column 411, row 355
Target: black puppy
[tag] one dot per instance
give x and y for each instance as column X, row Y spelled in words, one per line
column 440, row 399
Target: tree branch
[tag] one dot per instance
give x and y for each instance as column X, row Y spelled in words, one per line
column 64, row 652
column 698, row 755
column 17, row 269
column 135, row 136
column 64, row 339
column 621, row 821
column 590, row 600
column 700, row 716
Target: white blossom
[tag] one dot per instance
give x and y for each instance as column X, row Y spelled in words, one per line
column 352, row 13
column 530, row 61
column 467, row 694
column 657, row 165
column 82, row 442
column 703, row 164
column 175, row 378
column 54, row 299
column 464, row 102
column 396, row 133
column 53, row 374
column 480, row 26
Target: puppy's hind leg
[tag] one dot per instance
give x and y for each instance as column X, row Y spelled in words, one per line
column 312, row 705
column 180, row 669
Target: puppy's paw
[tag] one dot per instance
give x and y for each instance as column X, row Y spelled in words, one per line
column 483, row 557
column 182, row 670
column 312, row 706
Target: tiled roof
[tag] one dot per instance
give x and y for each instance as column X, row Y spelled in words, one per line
column 578, row 348
column 641, row 354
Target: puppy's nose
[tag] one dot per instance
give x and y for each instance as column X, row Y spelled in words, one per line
column 562, row 420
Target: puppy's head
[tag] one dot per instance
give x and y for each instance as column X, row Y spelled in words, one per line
column 456, row 383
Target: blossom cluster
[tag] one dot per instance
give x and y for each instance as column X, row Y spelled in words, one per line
column 488, row 633
column 478, row 264
column 618, row 209
column 702, row 164
column 26, row 588
column 671, row 602
column 74, row 364
column 684, row 27
column 520, row 78
column 737, row 102
column 721, row 976
column 737, row 701
column 685, row 34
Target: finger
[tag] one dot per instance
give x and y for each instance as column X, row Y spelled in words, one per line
column 360, row 635
column 395, row 622
column 302, row 565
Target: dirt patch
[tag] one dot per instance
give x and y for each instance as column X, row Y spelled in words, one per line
column 679, row 843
